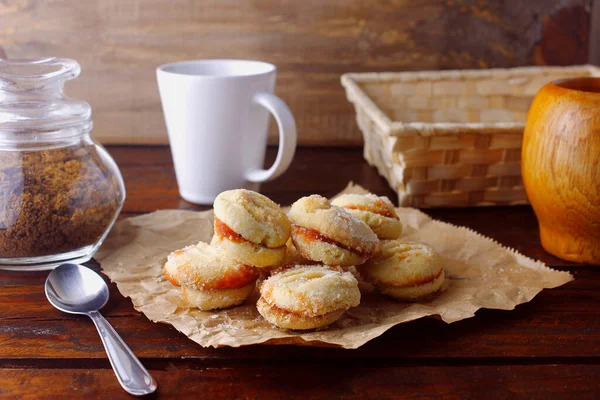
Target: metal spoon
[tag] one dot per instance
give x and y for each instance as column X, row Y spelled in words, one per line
column 76, row 289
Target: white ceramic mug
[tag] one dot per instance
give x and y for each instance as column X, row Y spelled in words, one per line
column 217, row 117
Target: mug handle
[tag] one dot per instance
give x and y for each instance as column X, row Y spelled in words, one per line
column 287, row 137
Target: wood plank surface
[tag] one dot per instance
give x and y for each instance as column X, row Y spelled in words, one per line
column 120, row 43
column 524, row 334
column 287, row 381
column 547, row 348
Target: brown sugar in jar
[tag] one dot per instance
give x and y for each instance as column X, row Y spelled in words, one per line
column 54, row 201
column 60, row 191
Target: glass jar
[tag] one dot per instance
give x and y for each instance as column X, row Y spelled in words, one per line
column 60, row 192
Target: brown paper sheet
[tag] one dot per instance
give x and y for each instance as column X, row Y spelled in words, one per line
column 480, row 274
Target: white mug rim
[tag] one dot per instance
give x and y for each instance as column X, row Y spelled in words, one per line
column 268, row 68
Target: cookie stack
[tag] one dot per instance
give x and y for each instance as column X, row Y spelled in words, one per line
column 305, row 258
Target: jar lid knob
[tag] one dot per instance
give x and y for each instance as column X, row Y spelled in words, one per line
column 19, row 75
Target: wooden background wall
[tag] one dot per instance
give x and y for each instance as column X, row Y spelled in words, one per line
column 119, row 43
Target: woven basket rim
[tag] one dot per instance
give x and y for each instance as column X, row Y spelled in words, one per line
column 450, row 128
column 355, row 94
column 464, row 74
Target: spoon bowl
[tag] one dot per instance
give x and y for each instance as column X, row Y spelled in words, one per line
column 76, row 289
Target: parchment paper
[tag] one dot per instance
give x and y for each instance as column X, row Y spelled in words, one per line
column 480, row 273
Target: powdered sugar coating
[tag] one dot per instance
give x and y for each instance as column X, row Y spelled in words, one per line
column 253, row 216
column 315, row 212
column 311, row 290
column 215, row 299
column 377, row 212
column 401, row 265
column 287, row 320
column 411, row 293
column 249, row 253
column 204, row 267
column 323, row 252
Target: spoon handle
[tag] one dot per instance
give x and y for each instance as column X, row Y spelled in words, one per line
column 132, row 375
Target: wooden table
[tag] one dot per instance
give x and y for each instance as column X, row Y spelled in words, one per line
column 548, row 348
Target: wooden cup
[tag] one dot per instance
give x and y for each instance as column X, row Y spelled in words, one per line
column 561, row 167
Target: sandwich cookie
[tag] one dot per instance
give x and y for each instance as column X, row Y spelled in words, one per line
column 307, row 296
column 250, row 227
column 404, row 271
column 328, row 234
column 209, row 278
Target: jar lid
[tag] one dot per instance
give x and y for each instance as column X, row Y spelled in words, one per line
column 32, row 98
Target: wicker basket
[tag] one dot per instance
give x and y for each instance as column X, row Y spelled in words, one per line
column 450, row 138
